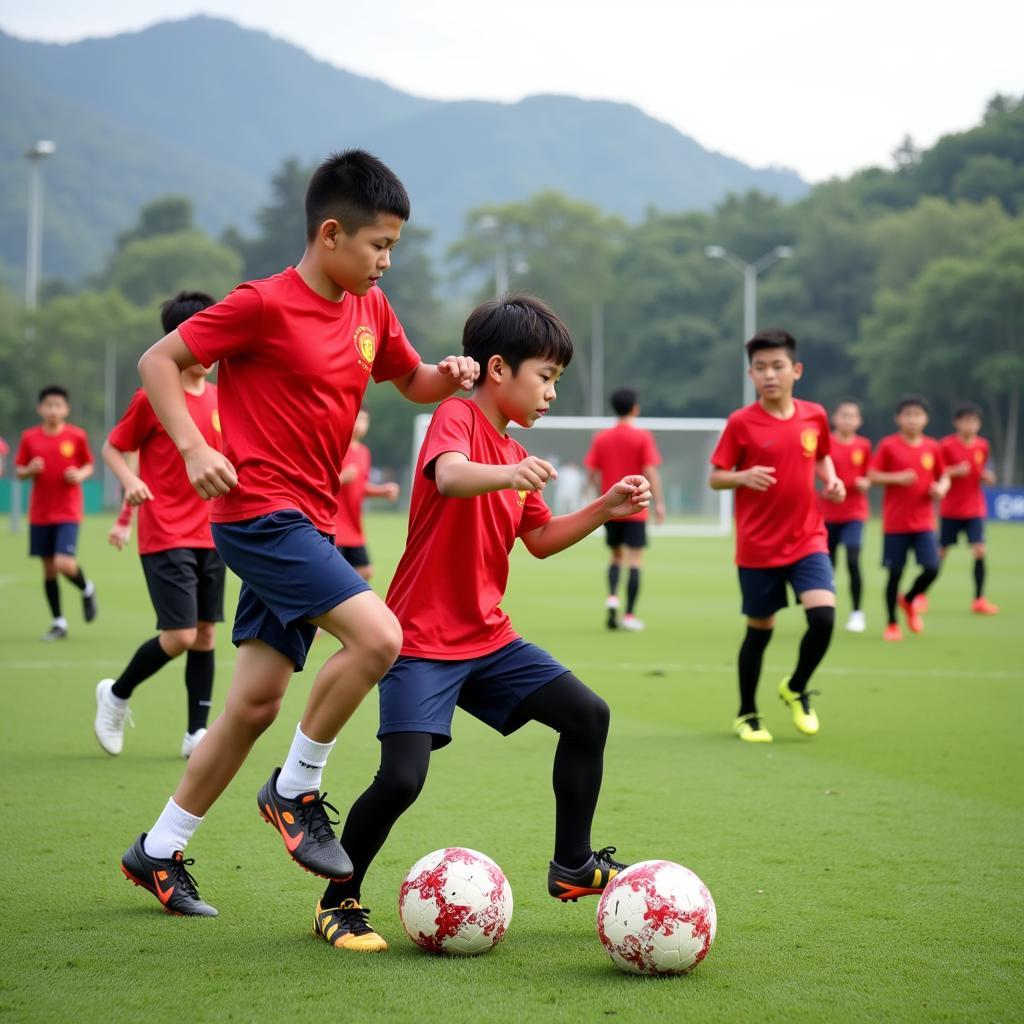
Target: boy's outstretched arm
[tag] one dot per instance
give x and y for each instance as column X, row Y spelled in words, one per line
column 757, row 478
column 457, row 477
column 429, row 383
column 631, row 494
column 209, row 472
column 835, row 489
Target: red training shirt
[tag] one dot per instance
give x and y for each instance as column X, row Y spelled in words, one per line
column 53, row 499
column 454, row 570
column 176, row 516
column 851, row 461
column 294, row 367
column 965, row 499
column 909, row 509
column 783, row 524
column 623, row 450
column 348, row 527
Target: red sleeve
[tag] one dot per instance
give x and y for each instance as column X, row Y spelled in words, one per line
column 824, row 436
column 729, row 449
column 940, row 462
column 652, row 457
column 592, row 460
column 225, row 328
column 24, row 456
column 135, row 425
column 946, row 447
column 84, row 451
column 451, row 430
column 395, row 356
column 880, row 461
column 535, row 513
column 4, row 449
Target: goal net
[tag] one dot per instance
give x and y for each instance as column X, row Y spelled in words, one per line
column 692, row 508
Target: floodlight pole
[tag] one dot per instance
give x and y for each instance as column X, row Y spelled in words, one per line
column 750, row 272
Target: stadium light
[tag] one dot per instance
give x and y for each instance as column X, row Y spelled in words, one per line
column 750, row 272
column 35, row 155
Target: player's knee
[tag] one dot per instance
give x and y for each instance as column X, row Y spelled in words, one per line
column 205, row 638
column 596, row 718
column 821, row 620
column 366, row 571
column 65, row 565
column 174, row 641
column 401, row 786
column 381, row 643
column 255, row 716
column 979, row 550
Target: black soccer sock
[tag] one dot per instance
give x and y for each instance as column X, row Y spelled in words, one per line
column 580, row 717
column 613, row 579
column 404, row 759
column 892, row 592
column 856, row 583
column 52, row 588
column 149, row 658
column 922, row 583
column 79, row 579
column 632, row 590
column 820, row 623
column 199, row 686
column 979, row 577
column 751, row 656
column 833, row 551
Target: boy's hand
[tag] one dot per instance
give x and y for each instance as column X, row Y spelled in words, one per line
column 73, row 475
column 391, row 491
column 907, row 478
column 988, row 477
column 863, row 484
column 531, row 474
column 137, row 492
column 835, row 490
column 759, row 478
column 659, row 513
column 461, row 369
column 209, row 472
column 36, row 466
column 631, row 494
column 119, row 536
column 938, row 489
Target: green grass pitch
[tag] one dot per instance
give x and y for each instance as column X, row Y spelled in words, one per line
column 873, row 873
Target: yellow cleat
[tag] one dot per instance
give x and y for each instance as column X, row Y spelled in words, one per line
column 346, row 927
column 749, row 729
column 804, row 716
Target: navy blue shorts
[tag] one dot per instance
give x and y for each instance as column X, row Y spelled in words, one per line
column 850, row 534
column 897, row 545
column 420, row 694
column 290, row 572
column 764, row 590
column 53, row 539
column 950, row 529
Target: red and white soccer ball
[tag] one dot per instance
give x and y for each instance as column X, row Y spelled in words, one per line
column 656, row 917
column 455, row 901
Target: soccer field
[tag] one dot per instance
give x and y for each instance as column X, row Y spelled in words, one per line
column 872, row 873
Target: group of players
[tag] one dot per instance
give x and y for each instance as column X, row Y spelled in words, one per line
column 295, row 354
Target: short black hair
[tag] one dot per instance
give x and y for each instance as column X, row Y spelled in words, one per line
column 847, row 401
column 772, row 337
column 623, row 401
column 966, row 409
column 177, row 309
column 908, row 400
column 53, row 389
column 516, row 327
column 353, row 187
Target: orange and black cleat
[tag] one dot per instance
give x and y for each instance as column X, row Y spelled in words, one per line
column 588, row 880
column 306, row 830
column 167, row 878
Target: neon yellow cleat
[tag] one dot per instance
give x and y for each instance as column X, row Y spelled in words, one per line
column 749, row 729
column 804, row 716
column 346, row 927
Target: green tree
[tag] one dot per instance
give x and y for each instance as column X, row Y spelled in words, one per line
column 167, row 215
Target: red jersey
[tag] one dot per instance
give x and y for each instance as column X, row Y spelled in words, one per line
column 348, row 527
column 783, row 524
column 53, row 499
column 851, row 460
column 624, row 450
column 965, row 499
column 454, row 570
column 176, row 516
column 294, row 367
column 909, row 509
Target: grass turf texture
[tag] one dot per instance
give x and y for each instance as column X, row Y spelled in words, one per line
column 871, row 873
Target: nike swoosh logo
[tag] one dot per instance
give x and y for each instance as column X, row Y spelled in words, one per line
column 161, row 894
column 290, row 841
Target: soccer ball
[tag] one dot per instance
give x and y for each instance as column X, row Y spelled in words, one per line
column 656, row 917
column 455, row 901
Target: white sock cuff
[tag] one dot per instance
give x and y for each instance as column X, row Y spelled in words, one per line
column 310, row 751
column 181, row 817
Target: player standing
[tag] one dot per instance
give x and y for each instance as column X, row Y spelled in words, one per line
column 625, row 450
column 56, row 456
column 771, row 452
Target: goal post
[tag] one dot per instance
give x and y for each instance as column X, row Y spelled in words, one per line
column 692, row 508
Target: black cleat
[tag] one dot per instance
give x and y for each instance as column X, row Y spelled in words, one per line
column 55, row 633
column 588, row 880
column 167, row 879
column 89, row 606
column 306, row 830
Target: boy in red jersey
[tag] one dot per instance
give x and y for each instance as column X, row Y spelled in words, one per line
column 845, row 520
column 911, row 468
column 355, row 486
column 963, row 508
column 476, row 490
column 623, row 451
column 295, row 352
column 771, row 452
column 184, row 574
column 56, row 456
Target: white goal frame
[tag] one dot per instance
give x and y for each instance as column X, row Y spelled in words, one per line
column 722, row 527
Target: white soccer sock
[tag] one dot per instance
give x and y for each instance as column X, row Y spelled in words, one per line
column 172, row 831
column 304, row 767
column 61, row 621
column 89, row 589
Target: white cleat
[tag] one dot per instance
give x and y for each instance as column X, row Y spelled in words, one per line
column 190, row 742
column 633, row 624
column 855, row 623
column 110, row 718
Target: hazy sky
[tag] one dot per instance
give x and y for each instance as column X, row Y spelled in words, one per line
column 817, row 85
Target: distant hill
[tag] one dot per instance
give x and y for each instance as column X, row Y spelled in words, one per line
column 210, row 109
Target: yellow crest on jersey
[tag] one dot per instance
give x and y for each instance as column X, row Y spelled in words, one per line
column 809, row 439
column 366, row 344
column 67, row 449
column 215, row 419
column 928, row 460
column 857, row 458
column 979, row 456
column 521, row 495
